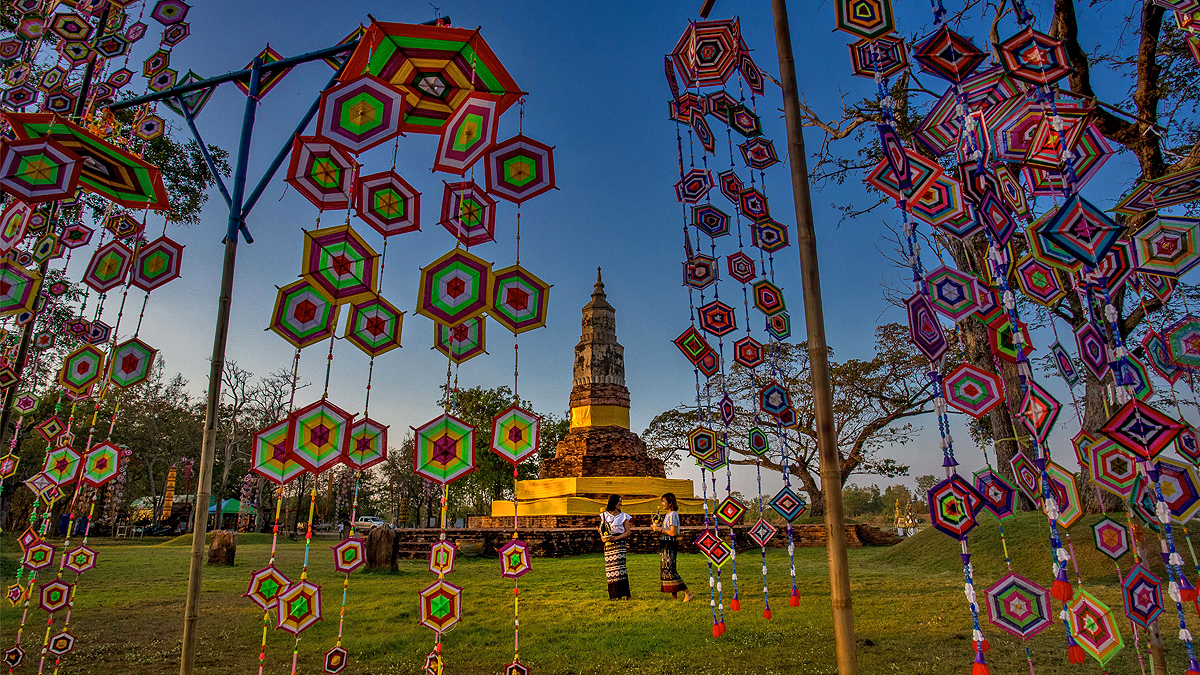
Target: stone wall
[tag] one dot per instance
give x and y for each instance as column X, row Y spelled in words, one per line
column 601, row 451
column 414, row 543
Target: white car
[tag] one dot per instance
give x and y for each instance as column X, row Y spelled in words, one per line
column 365, row 523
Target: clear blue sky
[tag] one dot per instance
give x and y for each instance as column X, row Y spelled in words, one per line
column 595, row 76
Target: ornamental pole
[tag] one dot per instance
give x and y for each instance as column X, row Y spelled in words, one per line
column 818, row 355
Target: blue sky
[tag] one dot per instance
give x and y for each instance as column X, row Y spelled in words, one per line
column 598, row 95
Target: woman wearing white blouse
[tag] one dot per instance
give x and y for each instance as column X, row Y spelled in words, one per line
column 669, row 533
column 615, row 528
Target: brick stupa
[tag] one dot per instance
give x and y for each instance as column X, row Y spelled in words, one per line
column 599, row 456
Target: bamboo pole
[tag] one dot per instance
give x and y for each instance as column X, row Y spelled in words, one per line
column 187, row 662
column 818, row 355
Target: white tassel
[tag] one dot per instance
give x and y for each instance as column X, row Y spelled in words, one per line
column 735, row 577
column 1173, row 591
column 1185, row 635
column 1164, row 514
column 711, row 582
column 1110, row 313
column 1062, row 555
column 1062, row 614
column 1176, row 559
column 977, row 635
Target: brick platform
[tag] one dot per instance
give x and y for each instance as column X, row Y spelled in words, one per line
column 561, row 542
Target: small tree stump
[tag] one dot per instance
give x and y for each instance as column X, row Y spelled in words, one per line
column 381, row 549
column 223, row 548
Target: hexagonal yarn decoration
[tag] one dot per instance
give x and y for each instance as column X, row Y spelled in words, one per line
column 717, row 318
column 748, row 352
column 519, row 299
column 109, row 266
column 515, row 559
column 320, row 435
column 1142, row 593
column 269, row 456
column 700, row 271
column 1093, row 626
column 299, row 607
column 757, row 442
column 1082, row 230
column 440, row 606
column 341, row 263
column 789, row 504
column 759, row 153
column 887, row 54
column 169, row 12
column 1167, row 245
column 101, row 464
column 62, row 465
column 516, row 668
column 1038, row 411
column 13, row 656
column 8, row 465
column 1034, row 57
column 468, row 213
column 1111, row 467
column 1143, row 429
column 953, row 504
column 717, row 460
column 441, row 557
column 1066, row 494
column 321, row 172
column 25, row 403
column 131, row 363
column 865, row 18
column 265, row 586
column 374, row 326
column 768, row 235
column 335, row 660
column 445, row 449
column 1112, row 538
column 694, row 186
column 61, row 643
column 923, row 328
column 774, row 399
column 741, row 267
column 454, row 288
column 55, row 596
column 768, row 299
column 1019, row 606
column 707, row 52
column 948, row 55
column 157, row 263
column 80, row 559
column 519, row 169
column 1180, row 488
column 39, row 170
column 972, row 390
column 730, row 511
column 952, row 293
column 304, row 314
column 14, row 221
column 515, row 434
column 710, row 220
column 368, row 444
column 999, row 496
column 38, row 555
column 468, row 134
column 360, row 113
column 18, row 288
column 462, row 342
column 702, row 443
column 1038, row 281
column 349, row 555
column 388, row 203
column 76, row 235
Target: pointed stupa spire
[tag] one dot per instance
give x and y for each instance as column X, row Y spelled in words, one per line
column 599, row 358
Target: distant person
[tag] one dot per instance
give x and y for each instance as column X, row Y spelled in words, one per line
column 342, row 530
column 614, row 530
column 668, row 537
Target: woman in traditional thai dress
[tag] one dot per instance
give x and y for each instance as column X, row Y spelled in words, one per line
column 668, row 536
column 615, row 528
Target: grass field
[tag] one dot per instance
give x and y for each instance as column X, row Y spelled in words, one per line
column 910, row 613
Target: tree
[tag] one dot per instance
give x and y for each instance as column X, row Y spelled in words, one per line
column 873, row 403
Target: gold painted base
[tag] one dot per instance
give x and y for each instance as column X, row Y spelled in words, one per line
column 572, row 496
column 586, row 506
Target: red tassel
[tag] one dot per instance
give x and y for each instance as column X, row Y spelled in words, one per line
column 794, row 600
column 1063, row 592
column 1075, row 654
column 980, row 669
column 722, row 625
column 1192, row 672
column 985, row 647
column 767, row 614
column 1189, row 594
column 716, row 630
column 735, row 605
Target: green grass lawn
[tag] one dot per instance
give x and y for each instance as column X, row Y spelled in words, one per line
column 909, row 610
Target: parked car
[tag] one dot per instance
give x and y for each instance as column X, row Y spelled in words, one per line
column 322, row 527
column 365, row 523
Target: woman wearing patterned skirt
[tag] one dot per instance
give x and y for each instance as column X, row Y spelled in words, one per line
column 614, row 530
column 669, row 549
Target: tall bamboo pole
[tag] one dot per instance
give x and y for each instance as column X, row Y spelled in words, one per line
column 187, row 662
column 818, row 355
